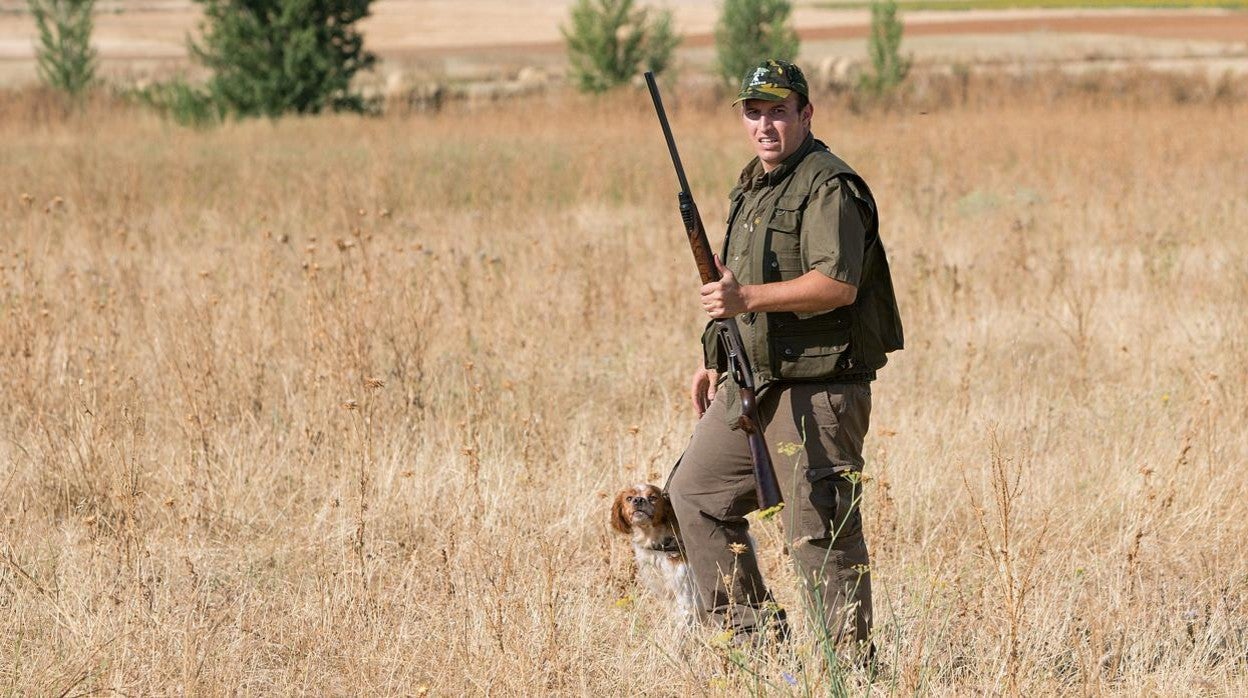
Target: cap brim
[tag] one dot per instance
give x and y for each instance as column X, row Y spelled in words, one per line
column 771, row 94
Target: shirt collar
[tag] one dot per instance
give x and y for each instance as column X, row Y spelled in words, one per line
column 753, row 176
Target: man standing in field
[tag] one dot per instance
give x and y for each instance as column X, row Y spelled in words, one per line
column 805, row 275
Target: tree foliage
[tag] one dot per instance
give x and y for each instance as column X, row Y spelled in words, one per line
column 751, row 31
column 64, row 55
column 271, row 57
column 611, row 41
column 888, row 67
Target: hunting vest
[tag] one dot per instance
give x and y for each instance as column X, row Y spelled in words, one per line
column 846, row 344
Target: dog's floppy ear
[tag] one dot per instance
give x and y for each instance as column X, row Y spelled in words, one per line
column 618, row 520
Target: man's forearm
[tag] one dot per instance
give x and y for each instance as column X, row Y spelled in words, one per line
column 811, row 292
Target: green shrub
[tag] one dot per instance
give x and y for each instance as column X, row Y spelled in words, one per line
column 64, row 55
column 272, row 57
column 751, row 31
column 611, row 41
column 186, row 104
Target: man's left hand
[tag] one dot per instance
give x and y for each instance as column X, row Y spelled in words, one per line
column 724, row 298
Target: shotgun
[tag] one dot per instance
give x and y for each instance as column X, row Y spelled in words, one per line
column 766, row 486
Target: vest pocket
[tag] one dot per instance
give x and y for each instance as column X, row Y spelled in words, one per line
column 807, row 357
column 783, row 257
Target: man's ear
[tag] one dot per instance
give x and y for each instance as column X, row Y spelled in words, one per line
column 807, row 113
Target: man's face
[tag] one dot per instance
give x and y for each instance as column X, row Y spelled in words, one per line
column 776, row 129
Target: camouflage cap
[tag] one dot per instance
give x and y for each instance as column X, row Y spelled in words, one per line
column 772, row 80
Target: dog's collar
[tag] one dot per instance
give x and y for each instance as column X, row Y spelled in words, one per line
column 667, row 544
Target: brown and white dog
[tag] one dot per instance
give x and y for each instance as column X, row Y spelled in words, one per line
column 644, row 514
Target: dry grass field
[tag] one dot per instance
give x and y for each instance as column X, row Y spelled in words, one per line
column 333, row 406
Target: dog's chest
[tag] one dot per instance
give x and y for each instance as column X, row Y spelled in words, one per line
column 663, row 572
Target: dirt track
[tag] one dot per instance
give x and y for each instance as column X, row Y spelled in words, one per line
column 1231, row 27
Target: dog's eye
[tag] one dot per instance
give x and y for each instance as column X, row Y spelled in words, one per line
column 652, row 499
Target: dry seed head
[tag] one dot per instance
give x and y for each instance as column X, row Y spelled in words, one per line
column 737, row 548
column 374, row 383
column 350, row 405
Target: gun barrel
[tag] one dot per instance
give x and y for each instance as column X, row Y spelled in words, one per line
column 667, row 130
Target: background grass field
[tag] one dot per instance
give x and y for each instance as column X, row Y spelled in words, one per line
column 334, row 406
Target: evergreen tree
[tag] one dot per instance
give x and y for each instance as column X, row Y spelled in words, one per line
column 888, row 67
column 751, row 31
column 611, row 41
column 271, row 57
column 64, row 55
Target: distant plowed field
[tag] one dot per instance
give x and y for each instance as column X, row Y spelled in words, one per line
column 448, row 29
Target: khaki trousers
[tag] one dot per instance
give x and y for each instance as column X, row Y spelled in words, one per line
column 815, row 433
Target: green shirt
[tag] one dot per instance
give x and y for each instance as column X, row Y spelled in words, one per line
column 832, row 230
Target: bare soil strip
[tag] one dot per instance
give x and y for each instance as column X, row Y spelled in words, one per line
column 1169, row 25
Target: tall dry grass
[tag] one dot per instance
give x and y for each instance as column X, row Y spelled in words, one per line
column 332, row 406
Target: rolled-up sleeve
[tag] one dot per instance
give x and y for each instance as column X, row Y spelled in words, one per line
column 834, row 232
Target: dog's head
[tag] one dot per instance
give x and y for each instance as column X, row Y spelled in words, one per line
column 640, row 506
